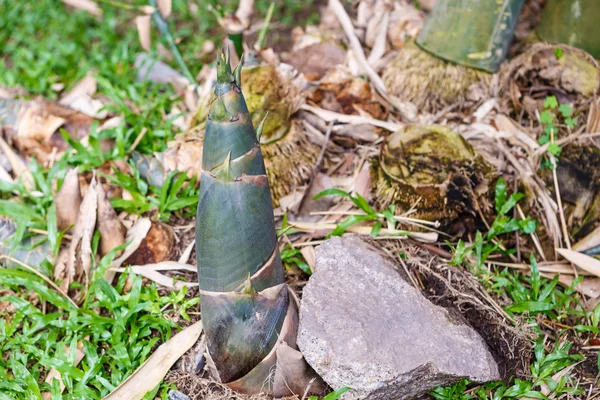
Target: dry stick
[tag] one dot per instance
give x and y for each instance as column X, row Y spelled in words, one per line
column 351, row 119
column 45, row 278
column 560, row 207
column 138, row 139
column 348, row 27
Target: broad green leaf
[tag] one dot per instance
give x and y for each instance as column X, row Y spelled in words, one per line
column 550, row 102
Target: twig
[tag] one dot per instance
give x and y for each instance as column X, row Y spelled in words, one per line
column 163, row 27
column 38, row 273
column 138, row 139
column 330, row 116
column 561, row 213
column 357, row 49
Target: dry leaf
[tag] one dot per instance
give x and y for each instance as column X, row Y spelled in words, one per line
column 109, row 225
column 18, row 166
column 87, row 5
column 585, row 262
column 589, row 241
column 185, row 256
column 330, row 116
column 68, row 200
column 153, row 70
column 310, row 255
column 150, row 271
column 143, row 26
column 135, row 236
column 5, row 176
column 315, row 60
column 152, row 372
column 337, row 7
column 164, row 7
column 79, row 261
column 85, row 87
column 589, row 286
column 362, row 183
column 156, row 246
column 36, row 122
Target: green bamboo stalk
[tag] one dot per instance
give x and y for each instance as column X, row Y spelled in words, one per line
column 243, row 296
column 572, row 22
column 473, row 33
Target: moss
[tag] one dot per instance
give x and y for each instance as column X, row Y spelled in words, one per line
column 289, row 161
column 265, row 92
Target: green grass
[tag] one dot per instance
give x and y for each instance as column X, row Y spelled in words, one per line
column 43, row 43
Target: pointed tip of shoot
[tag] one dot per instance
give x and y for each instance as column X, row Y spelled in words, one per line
column 248, row 288
column 224, row 74
column 223, row 171
column 218, row 111
column 237, row 72
column 261, row 126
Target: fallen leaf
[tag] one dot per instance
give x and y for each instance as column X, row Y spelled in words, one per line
column 156, row 246
column 143, row 26
column 585, row 262
column 310, row 256
column 5, row 176
column 315, row 60
column 135, row 236
column 154, row 70
column 68, row 200
column 79, row 261
column 150, row 271
column 164, row 7
column 19, row 168
column 86, row 5
column 589, row 241
column 330, row 116
column 109, row 225
column 152, row 372
column 185, row 256
column 85, row 87
column 36, row 122
column 588, row 286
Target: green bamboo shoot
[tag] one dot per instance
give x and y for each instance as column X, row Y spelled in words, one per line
column 246, row 308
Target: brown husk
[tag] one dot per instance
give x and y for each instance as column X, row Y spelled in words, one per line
column 433, row 84
column 438, row 173
column 156, row 246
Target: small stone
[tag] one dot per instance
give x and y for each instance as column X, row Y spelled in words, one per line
column 363, row 326
column 177, row 395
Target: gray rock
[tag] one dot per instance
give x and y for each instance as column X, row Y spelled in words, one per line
column 363, row 326
column 177, row 395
